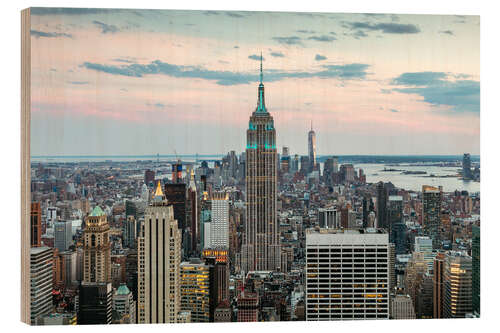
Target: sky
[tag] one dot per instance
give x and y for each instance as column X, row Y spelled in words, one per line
column 141, row 82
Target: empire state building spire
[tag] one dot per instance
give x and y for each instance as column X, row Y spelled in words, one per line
column 261, row 105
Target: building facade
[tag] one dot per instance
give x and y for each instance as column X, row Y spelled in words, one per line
column 431, row 213
column 96, row 248
column 219, row 225
column 36, row 224
column 195, row 290
column 457, row 285
column 347, row 274
column 63, row 236
column 40, row 282
column 159, row 258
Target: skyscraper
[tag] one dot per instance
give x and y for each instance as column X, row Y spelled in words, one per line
column 96, row 248
column 219, row 225
column 311, row 145
column 437, row 290
column 396, row 225
column 192, row 211
column 476, row 277
column 129, row 232
column 457, row 285
column 63, row 238
column 431, row 213
column 40, row 281
column 381, row 205
column 159, row 258
column 36, row 224
column 176, row 196
column 466, row 167
column 195, row 290
column 95, row 291
column 347, row 274
column 261, row 244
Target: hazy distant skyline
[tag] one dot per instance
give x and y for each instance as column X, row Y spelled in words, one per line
column 140, row 82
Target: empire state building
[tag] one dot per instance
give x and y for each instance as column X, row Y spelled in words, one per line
column 261, row 244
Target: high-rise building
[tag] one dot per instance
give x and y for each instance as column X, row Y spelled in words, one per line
column 476, row 277
column 129, row 232
column 40, row 282
column 328, row 171
column 195, row 290
column 36, row 224
column 396, row 225
column 205, row 218
column 219, row 259
column 437, row 290
column 149, row 177
column 347, row 274
column 381, row 206
column 159, row 257
column 176, row 172
column 219, row 224
column 176, row 196
column 192, row 211
column 294, row 164
column 466, row 167
column 402, row 307
column 261, row 243
column 311, row 145
column 423, row 300
column 431, row 213
column 95, row 305
column 424, row 244
column 124, row 304
column 328, row 218
column 392, row 267
column 96, row 248
column 457, row 285
column 347, row 172
column 63, row 236
column 335, row 164
column 248, row 306
column 415, row 271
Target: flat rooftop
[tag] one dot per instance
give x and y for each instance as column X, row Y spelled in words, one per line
column 354, row 231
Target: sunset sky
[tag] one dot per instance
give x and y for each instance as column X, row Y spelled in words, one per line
column 134, row 82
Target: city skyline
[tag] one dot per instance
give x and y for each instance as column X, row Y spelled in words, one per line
column 135, row 98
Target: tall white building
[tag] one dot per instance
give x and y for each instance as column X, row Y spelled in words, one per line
column 40, row 281
column 219, row 225
column 347, row 274
column 424, row 244
column 159, row 258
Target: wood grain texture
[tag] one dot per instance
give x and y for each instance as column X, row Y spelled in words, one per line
column 25, row 163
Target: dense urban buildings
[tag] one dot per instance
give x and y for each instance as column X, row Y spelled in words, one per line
column 253, row 236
